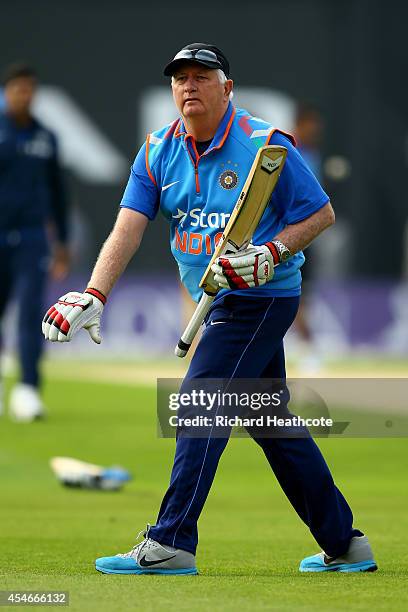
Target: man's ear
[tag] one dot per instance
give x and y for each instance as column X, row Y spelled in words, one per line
column 228, row 87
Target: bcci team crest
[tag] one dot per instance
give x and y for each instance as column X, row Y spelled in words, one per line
column 228, row 179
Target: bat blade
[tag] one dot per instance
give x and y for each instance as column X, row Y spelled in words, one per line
column 253, row 199
column 251, row 204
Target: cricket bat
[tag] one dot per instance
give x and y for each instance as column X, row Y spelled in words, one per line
column 246, row 215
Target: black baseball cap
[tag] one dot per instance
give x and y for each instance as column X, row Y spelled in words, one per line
column 201, row 53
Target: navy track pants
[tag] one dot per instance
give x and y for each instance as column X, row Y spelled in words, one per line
column 247, row 342
column 23, row 275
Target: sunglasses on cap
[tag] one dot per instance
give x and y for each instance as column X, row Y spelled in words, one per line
column 198, row 54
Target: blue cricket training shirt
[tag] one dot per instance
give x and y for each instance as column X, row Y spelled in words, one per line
column 197, row 193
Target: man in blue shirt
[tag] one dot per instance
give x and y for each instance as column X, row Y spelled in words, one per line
column 193, row 170
column 32, row 211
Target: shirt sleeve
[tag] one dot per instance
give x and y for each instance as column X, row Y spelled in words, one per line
column 298, row 193
column 141, row 193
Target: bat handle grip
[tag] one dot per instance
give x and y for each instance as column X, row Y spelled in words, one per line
column 195, row 322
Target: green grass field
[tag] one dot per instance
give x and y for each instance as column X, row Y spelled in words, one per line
column 251, row 541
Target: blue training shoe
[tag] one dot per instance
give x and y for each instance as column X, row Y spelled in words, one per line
column 149, row 557
column 358, row 558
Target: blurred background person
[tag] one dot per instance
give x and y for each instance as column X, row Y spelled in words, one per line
column 309, row 128
column 308, row 131
column 33, row 228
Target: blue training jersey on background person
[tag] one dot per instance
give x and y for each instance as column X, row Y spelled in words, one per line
column 31, row 189
column 197, row 194
column 313, row 158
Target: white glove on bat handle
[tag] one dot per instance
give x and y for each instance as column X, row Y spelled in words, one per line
column 195, row 322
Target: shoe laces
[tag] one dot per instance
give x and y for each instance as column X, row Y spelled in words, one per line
column 137, row 548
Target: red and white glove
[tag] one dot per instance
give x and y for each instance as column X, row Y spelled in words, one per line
column 72, row 312
column 249, row 268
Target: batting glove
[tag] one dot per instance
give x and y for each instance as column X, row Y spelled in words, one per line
column 72, row 312
column 252, row 267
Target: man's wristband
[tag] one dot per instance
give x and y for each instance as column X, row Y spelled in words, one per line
column 97, row 294
column 280, row 252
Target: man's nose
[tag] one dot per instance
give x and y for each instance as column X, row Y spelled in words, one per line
column 190, row 85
